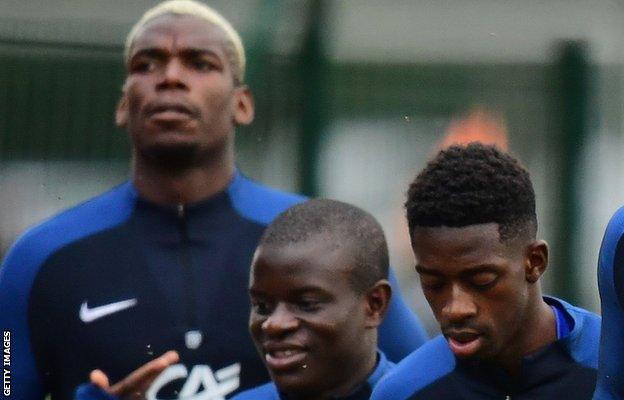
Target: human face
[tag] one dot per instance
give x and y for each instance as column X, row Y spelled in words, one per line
column 481, row 290
column 316, row 335
column 180, row 96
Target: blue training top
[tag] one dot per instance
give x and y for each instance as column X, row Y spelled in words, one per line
column 610, row 383
column 564, row 369
column 116, row 281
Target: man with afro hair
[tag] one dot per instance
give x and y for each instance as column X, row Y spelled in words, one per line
column 472, row 223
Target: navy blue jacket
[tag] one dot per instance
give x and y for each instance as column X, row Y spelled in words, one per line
column 268, row 391
column 117, row 281
column 565, row 369
column 610, row 384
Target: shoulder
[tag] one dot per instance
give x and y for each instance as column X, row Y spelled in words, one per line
column 431, row 362
column 96, row 214
column 257, row 202
column 583, row 340
column 616, row 223
column 611, row 261
column 612, row 237
column 39, row 242
column 268, row 391
column 25, row 258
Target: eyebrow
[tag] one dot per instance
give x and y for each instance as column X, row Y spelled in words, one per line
column 424, row 270
column 158, row 52
column 298, row 292
column 469, row 271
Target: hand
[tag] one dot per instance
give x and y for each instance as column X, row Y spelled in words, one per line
column 133, row 386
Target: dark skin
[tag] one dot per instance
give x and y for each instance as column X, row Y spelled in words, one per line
column 133, row 386
column 316, row 334
column 180, row 105
column 180, row 101
column 484, row 292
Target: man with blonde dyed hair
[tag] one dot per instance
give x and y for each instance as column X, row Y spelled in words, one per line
column 233, row 43
column 160, row 262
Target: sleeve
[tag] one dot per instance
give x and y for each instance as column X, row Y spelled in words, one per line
column 610, row 381
column 88, row 391
column 16, row 276
column 401, row 332
column 431, row 363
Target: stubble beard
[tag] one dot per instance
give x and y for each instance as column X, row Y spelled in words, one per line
column 179, row 158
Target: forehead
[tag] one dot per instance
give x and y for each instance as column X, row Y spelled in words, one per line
column 185, row 31
column 318, row 261
column 449, row 248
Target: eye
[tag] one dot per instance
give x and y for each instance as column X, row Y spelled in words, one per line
column 309, row 305
column 202, row 64
column 484, row 280
column 431, row 283
column 260, row 307
column 142, row 66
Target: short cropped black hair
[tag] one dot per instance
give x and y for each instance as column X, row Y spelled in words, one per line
column 470, row 185
column 349, row 226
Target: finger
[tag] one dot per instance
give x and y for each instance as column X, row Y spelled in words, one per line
column 99, row 379
column 171, row 357
column 142, row 377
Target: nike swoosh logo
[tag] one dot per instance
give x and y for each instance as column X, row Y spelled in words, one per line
column 91, row 314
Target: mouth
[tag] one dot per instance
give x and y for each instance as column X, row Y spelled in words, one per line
column 170, row 112
column 279, row 358
column 464, row 343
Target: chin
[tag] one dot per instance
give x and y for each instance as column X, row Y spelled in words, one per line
column 295, row 382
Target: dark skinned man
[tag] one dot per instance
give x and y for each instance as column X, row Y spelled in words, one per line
column 472, row 221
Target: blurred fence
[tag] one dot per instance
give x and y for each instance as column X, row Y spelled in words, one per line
column 357, row 131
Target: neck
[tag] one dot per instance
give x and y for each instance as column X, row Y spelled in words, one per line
column 358, row 375
column 539, row 330
column 163, row 186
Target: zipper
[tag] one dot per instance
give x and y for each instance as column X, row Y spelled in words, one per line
column 187, row 268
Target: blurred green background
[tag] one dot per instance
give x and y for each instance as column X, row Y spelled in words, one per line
column 352, row 98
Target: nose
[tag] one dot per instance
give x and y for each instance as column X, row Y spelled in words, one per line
column 459, row 306
column 173, row 76
column 281, row 321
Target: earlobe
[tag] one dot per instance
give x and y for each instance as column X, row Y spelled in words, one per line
column 377, row 302
column 244, row 106
column 536, row 260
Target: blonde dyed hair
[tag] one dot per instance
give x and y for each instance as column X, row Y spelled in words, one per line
column 234, row 44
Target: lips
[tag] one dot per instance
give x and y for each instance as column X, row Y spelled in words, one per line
column 169, row 111
column 284, row 357
column 464, row 343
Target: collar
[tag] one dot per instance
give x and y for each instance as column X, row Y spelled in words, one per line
column 568, row 323
column 383, row 367
column 564, row 327
column 169, row 223
column 537, row 368
column 364, row 391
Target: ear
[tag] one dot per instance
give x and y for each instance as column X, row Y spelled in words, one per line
column 121, row 112
column 377, row 301
column 243, row 106
column 536, row 260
